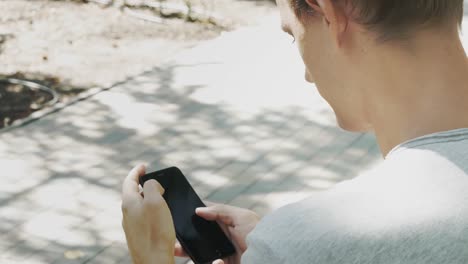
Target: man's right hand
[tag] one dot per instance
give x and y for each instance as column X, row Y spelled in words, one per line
column 236, row 223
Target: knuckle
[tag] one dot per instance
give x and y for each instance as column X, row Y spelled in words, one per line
column 155, row 185
column 125, row 206
column 217, row 208
column 153, row 203
column 254, row 215
column 159, row 188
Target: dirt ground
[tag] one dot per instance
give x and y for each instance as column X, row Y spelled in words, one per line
column 72, row 46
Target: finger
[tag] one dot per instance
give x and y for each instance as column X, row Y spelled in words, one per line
column 130, row 186
column 218, row 261
column 216, row 213
column 152, row 190
column 179, row 251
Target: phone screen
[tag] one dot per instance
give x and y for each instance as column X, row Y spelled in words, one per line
column 204, row 241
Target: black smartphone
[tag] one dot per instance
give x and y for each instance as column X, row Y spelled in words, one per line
column 204, row 241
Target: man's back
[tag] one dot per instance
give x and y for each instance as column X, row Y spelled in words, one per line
column 413, row 208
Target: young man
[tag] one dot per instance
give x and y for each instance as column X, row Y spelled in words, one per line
column 393, row 67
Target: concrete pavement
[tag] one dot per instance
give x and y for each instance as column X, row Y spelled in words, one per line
column 233, row 113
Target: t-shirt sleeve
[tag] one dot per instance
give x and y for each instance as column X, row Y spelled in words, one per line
column 259, row 252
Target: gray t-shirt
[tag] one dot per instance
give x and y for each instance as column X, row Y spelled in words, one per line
column 412, row 208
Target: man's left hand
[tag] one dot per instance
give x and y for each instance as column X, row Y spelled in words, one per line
column 147, row 221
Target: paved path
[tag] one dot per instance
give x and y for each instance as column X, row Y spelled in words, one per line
column 233, row 113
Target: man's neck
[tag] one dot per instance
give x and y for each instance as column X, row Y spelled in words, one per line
column 418, row 91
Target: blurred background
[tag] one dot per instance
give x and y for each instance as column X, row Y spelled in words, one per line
column 71, row 46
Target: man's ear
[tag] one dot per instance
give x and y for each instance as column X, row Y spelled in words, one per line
column 316, row 6
column 333, row 15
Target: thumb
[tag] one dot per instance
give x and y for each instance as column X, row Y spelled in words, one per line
column 152, row 190
column 219, row 213
column 218, row 261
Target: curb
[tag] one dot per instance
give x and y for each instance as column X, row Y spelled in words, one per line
column 60, row 106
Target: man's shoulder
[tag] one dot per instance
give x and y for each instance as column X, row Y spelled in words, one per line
column 346, row 230
column 411, row 208
column 398, row 208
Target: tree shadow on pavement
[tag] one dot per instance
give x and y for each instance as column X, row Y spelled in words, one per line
column 3, row 39
column 61, row 191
